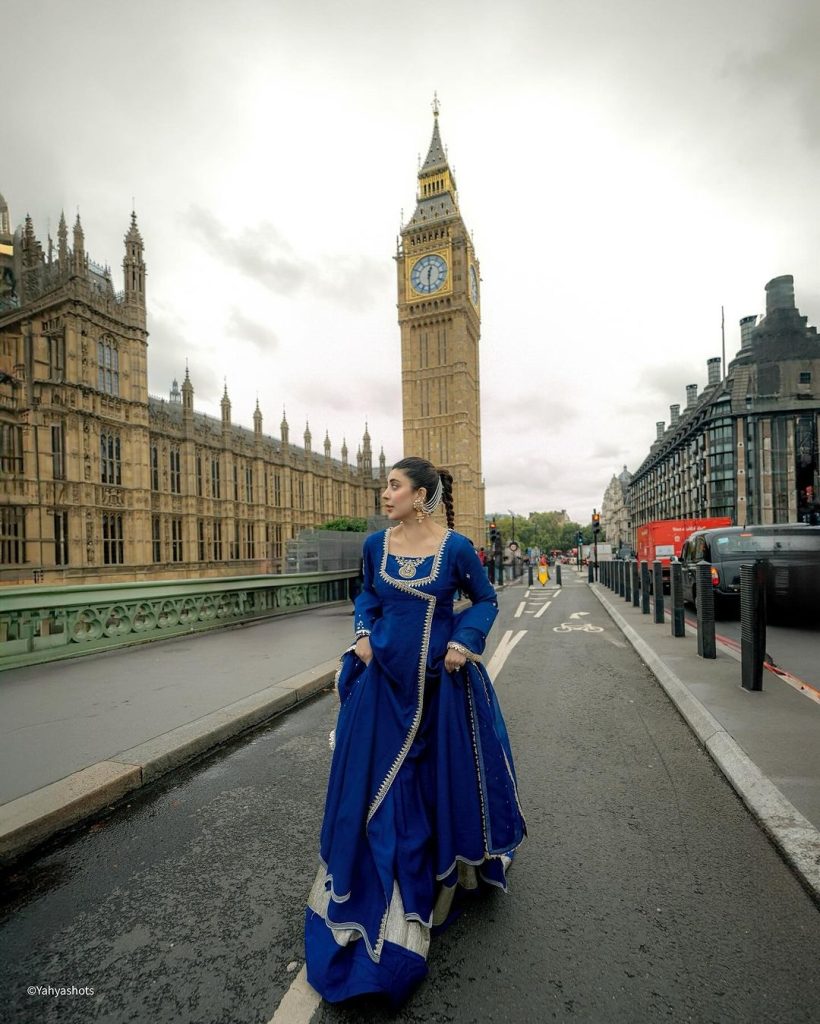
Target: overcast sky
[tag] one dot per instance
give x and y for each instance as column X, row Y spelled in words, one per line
column 626, row 169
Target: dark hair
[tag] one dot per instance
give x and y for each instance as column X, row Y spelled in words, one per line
column 424, row 474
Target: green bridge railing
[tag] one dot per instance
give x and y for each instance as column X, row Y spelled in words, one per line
column 40, row 624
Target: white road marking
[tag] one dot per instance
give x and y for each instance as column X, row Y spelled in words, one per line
column 519, row 610
column 542, row 609
column 299, row 1003
column 526, row 593
column 578, row 615
column 503, row 651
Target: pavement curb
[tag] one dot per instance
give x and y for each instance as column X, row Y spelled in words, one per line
column 793, row 834
column 30, row 820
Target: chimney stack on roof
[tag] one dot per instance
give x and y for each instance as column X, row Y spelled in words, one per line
column 660, row 426
column 691, row 395
column 674, row 415
column 747, row 325
column 713, row 371
column 780, row 293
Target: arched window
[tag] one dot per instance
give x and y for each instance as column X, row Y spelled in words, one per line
column 108, row 367
column 110, row 462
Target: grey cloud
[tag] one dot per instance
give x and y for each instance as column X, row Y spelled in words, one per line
column 167, row 352
column 788, row 69
column 524, row 408
column 607, row 451
column 243, row 327
column 320, row 390
column 668, row 382
column 267, row 257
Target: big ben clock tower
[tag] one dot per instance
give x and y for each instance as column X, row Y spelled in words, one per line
column 439, row 317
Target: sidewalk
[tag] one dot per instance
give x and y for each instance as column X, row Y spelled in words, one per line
column 766, row 743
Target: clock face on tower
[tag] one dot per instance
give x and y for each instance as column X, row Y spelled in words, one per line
column 473, row 285
column 429, row 273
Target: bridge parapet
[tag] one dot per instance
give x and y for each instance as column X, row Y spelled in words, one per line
column 39, row 624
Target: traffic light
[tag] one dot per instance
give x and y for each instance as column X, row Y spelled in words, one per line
column 493, row 531
column 579, row 538
column 596, row 522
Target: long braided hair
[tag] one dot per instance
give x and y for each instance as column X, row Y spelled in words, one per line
column 422, row 473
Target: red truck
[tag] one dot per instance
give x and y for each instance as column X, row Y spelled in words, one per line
column 663, row 539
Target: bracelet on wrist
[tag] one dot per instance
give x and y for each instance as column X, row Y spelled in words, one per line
column 362, row 632
column 468, row 654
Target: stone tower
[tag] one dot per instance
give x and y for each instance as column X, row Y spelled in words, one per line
column 439, row 317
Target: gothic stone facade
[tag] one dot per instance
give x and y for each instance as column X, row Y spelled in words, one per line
column 615, row 518
column 747, row 446
column 100, row 481
column 439, row 317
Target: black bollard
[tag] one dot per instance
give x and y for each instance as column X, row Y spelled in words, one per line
column 499, row 571
column 636, row 592
column 605, row 573
column 706, row 610
column 620, row 589
column 591, row 577
column 645, row 588
column 558, row 574
column 752, row 624
column 627, row 581
column 529, row 574
column 657, row 586
column 676, row 599
column 491, row 569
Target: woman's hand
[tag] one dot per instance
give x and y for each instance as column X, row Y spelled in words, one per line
column 453, row 660
column 363, row 649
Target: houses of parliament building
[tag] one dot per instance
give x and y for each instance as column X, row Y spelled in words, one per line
column 102, row 482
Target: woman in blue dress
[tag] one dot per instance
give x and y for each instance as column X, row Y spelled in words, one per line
column 422, row 799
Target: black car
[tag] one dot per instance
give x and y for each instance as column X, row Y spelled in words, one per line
column 791, row 552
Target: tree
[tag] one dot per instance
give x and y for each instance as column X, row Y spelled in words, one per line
column 345, row 524
column 548, row 531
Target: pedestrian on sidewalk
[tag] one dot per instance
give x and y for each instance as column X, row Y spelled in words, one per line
column 413, row 819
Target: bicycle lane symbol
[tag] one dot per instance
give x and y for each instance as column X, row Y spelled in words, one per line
column 577, row 627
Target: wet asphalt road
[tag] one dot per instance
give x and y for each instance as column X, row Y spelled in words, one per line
column 644, row 892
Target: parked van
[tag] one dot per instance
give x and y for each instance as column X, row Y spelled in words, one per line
column 791, row 551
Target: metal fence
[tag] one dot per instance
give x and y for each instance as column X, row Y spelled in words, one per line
column 40, row 624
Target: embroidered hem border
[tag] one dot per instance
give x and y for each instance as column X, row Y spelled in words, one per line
column 405, row 930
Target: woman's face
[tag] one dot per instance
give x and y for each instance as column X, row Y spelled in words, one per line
column 399, row 495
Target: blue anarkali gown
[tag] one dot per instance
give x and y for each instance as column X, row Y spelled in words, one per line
column 422, row 795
